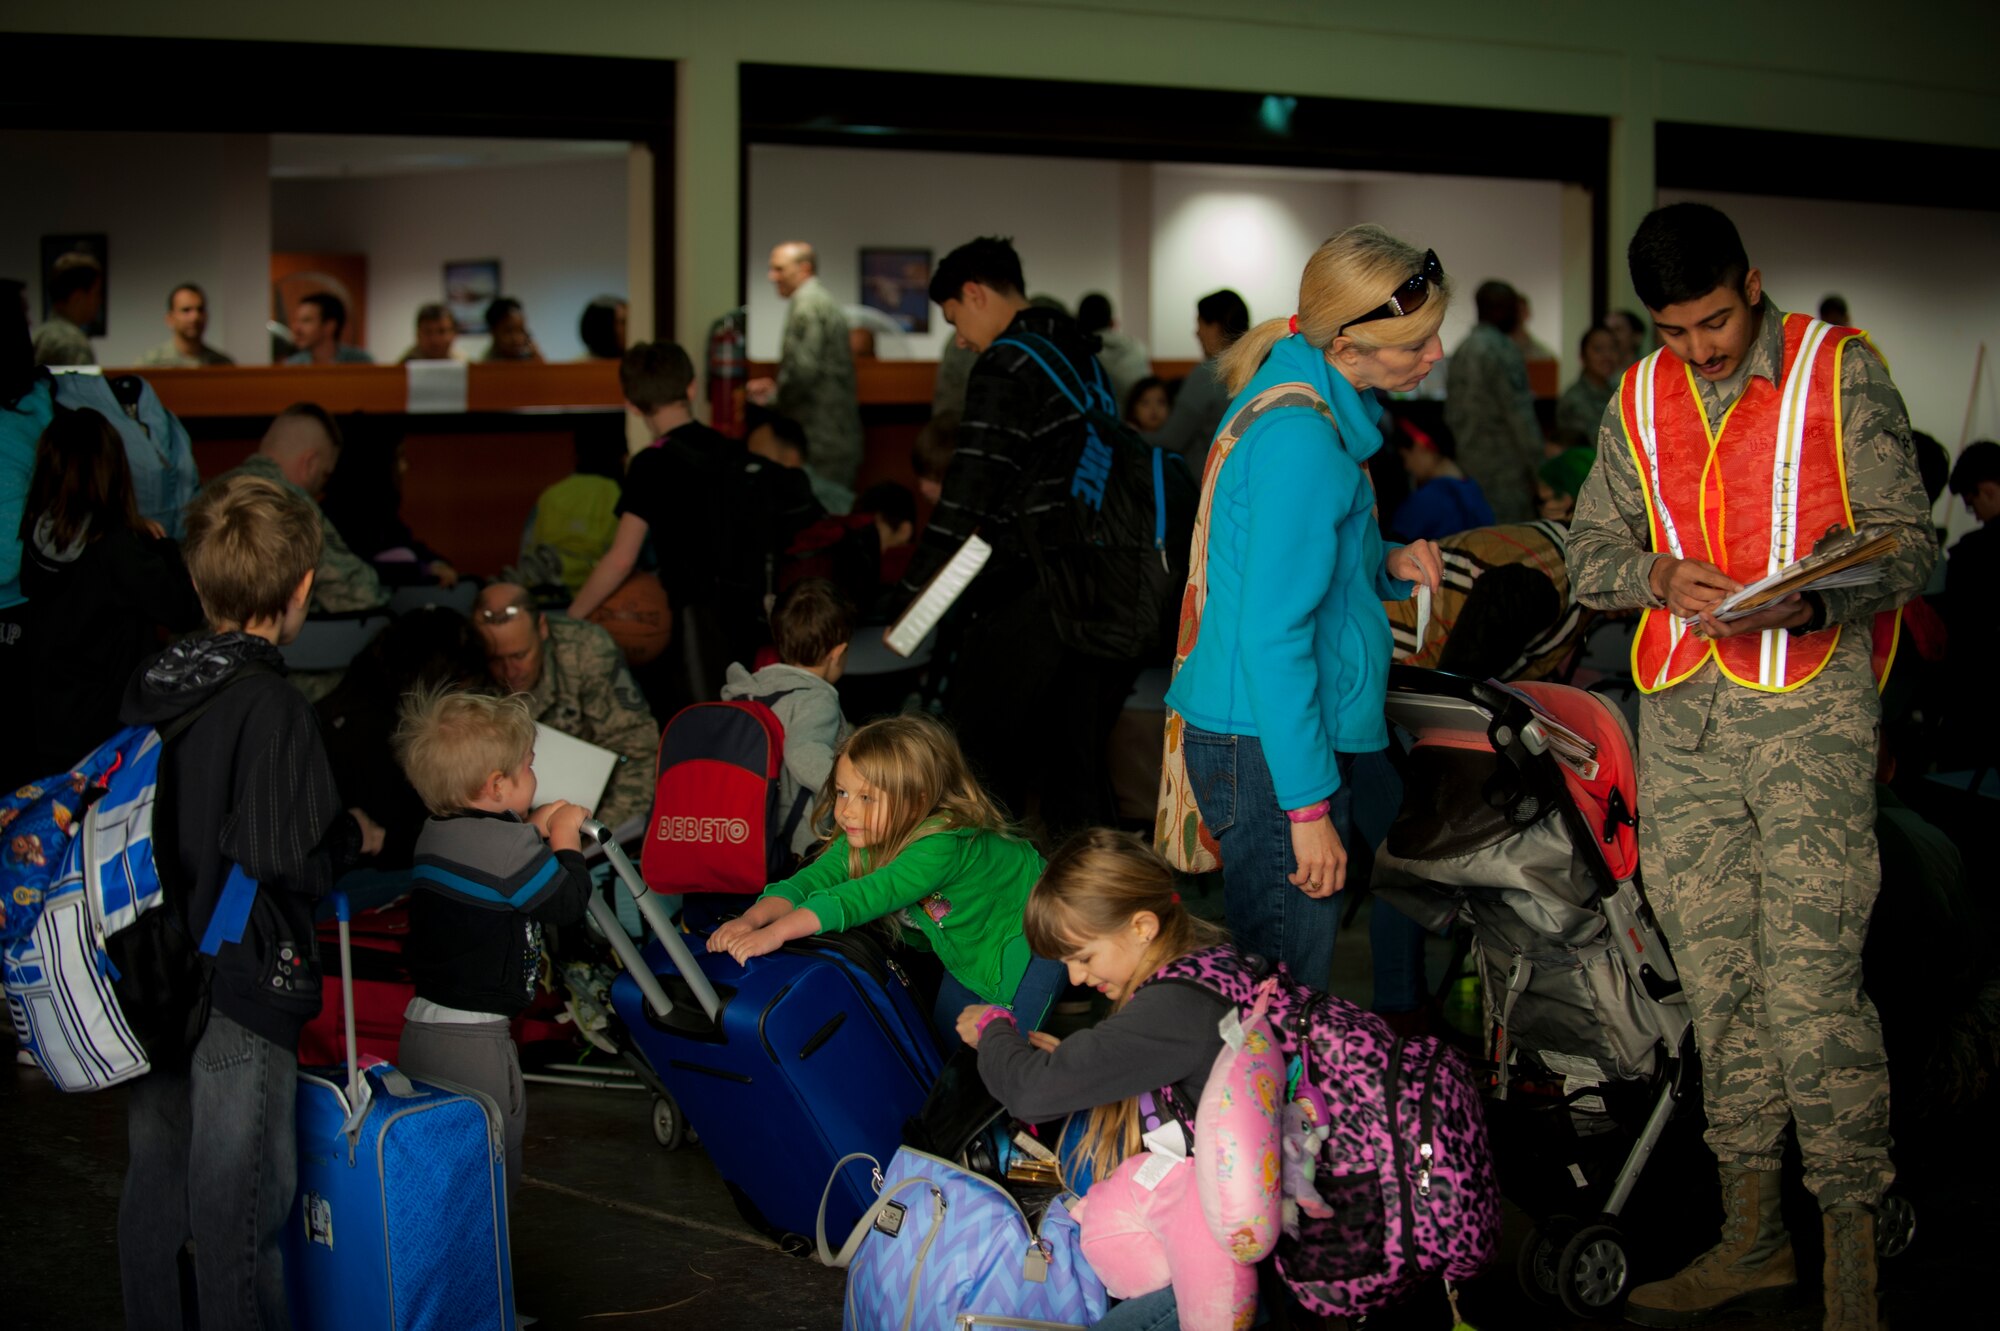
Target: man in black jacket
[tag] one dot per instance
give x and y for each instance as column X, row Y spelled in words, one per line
column 247, row 785
column 1033, row 715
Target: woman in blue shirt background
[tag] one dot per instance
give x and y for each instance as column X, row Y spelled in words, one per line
column 1283, row 692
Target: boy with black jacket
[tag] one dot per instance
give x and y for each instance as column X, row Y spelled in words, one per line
column 213, row 1153
column 1033, row 715
column 491, row 870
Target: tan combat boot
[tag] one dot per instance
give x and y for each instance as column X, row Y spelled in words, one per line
column 1751, row 1268
column 1850, row 1268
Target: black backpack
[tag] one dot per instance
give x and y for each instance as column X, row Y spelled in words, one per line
column 1110, row 542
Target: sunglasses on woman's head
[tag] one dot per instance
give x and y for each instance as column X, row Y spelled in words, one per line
column 1405, row 299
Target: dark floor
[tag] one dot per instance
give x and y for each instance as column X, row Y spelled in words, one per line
column 610, row 1231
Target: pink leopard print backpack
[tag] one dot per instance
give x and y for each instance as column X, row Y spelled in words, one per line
column 1388, row 1181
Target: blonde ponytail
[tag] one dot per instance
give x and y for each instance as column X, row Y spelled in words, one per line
column 1246, row 354
column 1347, row 276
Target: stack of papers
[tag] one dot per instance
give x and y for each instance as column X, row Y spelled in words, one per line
column 1570, row 749
column 1843, row 559
column 907, row 634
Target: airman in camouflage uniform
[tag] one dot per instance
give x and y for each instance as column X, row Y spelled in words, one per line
column 343, row 581
column 1757, row 837
column 1490, row 410
column 815, row 385
column 576, row 682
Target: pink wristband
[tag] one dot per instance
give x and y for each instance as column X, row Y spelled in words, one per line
column 987, row 1018
column 1312, row 813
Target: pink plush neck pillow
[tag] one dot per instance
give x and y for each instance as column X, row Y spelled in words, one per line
column 1237, row 1137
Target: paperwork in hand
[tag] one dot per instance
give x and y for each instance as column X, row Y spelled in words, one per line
column 907, row 633
column 1571, row 749
column 1843, row 559
column 568, row 768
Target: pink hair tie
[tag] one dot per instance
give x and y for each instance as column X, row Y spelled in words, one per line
column 1293, row 323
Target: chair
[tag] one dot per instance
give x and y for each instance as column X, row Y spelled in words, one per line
column 330, row 642
column 458, row 597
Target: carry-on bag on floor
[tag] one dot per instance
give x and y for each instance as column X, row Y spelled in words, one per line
column 967, row 1229
column 784, row 1065
column 943, row 1247
column 401, row 1215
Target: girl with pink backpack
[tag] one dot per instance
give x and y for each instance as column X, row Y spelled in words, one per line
column 1234, row 1113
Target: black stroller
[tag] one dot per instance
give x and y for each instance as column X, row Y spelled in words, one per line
column 1521, row 824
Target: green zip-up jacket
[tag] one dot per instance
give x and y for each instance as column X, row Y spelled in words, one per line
column 962, row 889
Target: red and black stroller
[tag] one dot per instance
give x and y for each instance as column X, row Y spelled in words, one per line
column 1519, row 824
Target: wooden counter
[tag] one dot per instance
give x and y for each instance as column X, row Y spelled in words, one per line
column 473, row 475
column 266, row 390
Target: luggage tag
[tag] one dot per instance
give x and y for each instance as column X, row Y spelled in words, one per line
column 1035, row 1266
column 1166, row 1146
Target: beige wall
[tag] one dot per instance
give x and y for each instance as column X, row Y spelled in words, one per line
column 1835, row 66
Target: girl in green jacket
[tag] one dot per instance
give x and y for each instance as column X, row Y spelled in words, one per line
column 915, row 837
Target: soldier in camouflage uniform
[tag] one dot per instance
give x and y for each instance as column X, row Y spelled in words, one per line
column 1757, row 739
column 815, row 384
column 576, row 682
column 300, row 450
column 1489, row 409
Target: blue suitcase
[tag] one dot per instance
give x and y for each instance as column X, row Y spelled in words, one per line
column 784, row 1065
column 401, row 1215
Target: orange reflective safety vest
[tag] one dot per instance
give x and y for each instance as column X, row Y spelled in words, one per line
column 1749, row 494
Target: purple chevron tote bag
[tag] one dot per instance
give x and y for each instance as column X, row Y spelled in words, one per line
column 941, row 1242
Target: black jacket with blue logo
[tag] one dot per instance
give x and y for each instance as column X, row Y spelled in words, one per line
column 486, row 883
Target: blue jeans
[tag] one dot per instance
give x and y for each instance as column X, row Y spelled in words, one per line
column 1398, row 944
column 1267, row 915
column 1033, row 998
column 1148, row 1312
column 214, row 1158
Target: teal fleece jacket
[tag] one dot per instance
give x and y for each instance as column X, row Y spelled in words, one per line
column 1294, row 646
column 963, row 890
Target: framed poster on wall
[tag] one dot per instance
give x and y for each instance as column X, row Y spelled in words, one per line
column 469, row 286
column 96, row 246
column 897, row 282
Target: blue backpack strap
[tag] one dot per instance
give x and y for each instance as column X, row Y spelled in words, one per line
column 1078, row 395
column 232, row 912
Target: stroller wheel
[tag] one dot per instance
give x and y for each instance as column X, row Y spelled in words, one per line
column 1895, row 1225
column 669, row 1124
column 1593, row 1274
column 1535, row 1268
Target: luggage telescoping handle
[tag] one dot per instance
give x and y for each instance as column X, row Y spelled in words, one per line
column 357, row 1090
column 659, row 922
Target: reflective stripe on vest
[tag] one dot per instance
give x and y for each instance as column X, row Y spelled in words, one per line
column 1748, row 495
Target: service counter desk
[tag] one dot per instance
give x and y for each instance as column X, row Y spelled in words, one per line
column 483, row 440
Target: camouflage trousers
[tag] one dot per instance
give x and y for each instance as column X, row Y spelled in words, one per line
column 1758, row 847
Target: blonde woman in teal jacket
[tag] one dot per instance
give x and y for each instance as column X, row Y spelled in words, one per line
column 1284, row 690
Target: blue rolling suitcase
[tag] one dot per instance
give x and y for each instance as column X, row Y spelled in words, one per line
column 401, row 1215
column 784, row 1066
